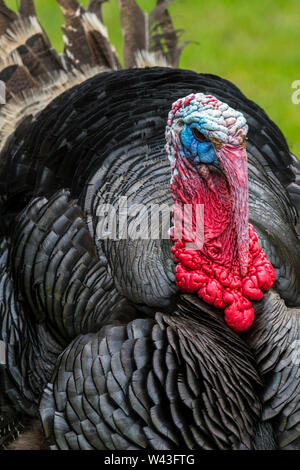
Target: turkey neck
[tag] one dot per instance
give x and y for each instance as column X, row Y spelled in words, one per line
column 198, row 185
column 223, row 268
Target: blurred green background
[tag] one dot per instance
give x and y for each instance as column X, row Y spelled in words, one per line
column 254, row 44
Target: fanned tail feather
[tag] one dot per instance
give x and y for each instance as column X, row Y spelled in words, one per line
column 6, row 17
column 26, row 37
column 149, row 39
column 85, row 28
column 34, row 73
column 164, row 38
column 95, row 6
column 15, row 75
column 32, row 100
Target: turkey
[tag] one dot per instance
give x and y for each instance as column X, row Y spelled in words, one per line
column 118, row 340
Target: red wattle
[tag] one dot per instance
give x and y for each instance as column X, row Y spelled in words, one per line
column 224, row 287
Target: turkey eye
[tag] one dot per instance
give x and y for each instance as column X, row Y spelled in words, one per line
column 198, row 135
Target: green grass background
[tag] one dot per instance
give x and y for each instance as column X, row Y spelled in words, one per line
column 255, row 44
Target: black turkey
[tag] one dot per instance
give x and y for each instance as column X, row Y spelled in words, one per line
column 101, row 347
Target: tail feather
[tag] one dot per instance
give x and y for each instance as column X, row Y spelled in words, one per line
column 32, row 100
column 95, row 6
column 34, row 73
column 26, row 36
column 151, row 37
column 27, row 8
column 15, row 75
column 164, row 37
column 85, row 37
column 135, row 32
column 28, row 54
column 100, row 46
column 6, row 17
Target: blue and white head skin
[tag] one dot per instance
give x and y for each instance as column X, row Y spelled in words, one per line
column 205, row 135
column 202, row 121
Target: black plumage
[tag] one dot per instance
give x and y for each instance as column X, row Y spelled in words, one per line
column 170, row 403
column 99, row 343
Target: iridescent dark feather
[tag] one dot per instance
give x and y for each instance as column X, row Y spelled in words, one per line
column 136, row 401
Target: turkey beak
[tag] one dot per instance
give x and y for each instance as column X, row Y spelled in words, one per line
column 233, row 161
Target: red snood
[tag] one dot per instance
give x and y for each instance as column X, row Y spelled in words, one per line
column 212, row 269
